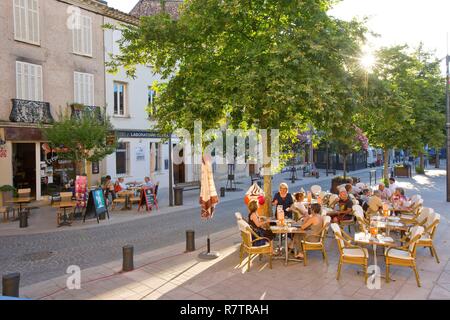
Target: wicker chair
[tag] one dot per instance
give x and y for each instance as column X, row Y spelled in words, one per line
column 404, row 256
column 414, row 214
column 317, row 245
column 247, row 244
column 348, row 252
column 427, row 238
column 361, row 221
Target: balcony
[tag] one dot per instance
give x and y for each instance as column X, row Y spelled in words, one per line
column 30, row 111
column 78, row 110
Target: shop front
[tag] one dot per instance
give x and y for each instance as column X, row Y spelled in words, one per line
column 27, row 162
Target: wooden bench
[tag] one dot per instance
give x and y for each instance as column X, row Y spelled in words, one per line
column 185, row 186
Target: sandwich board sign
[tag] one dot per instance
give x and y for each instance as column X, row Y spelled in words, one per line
column 96, row 204
column 147, row 198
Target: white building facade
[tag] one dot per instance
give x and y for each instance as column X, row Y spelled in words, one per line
column 141, row 151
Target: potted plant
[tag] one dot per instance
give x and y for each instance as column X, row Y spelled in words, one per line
column 337, row 181
column 6, row 193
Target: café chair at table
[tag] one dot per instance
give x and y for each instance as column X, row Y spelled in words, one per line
column 404, row 256
column 421, row 218
column 309, row 245
column 430, row 225
column 348, row 223
column 120, row 198
column 135, row 199
column 332, row 201
column 361, row 221
column 349, row 253
column 316, row 189
column 414, row 214
column 5, row 211
column 247, row 244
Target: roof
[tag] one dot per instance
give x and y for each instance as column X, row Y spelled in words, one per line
column 100, row 7
column 152, row 7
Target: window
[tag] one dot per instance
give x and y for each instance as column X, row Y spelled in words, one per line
column 151, row 102
column 26, row 21
column 28, row 81
column 120, row 99
column 84, row 88
column 82, row 36
column 123, row 158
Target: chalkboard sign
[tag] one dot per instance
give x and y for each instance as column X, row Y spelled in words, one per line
column 147, row 198
column 96, row 204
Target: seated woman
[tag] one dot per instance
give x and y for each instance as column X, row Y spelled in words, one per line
column 284, row 198
column 299, row 208
column 258, row 224
column 312, row 224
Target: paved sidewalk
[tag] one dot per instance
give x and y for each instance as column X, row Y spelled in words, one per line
column 43, row 219
column 168, row 273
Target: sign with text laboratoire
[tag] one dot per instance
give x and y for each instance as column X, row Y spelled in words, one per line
column 139, row 134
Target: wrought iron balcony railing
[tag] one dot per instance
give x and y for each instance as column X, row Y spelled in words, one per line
column 30, row 111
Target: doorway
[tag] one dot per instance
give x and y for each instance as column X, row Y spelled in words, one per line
column 24, row 166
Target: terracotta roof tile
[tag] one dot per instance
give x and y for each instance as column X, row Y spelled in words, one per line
column 151, row 7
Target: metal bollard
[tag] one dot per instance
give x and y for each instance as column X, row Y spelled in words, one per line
column 190, row 240
column 222, row 192
column 128, row 264
column 10, row 284
column 23, row 217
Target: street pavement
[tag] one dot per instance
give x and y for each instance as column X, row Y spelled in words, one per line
column 169, row 273
column 47, row 255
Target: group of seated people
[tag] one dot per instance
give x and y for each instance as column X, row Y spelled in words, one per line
column 294, row 207
column 110, row 188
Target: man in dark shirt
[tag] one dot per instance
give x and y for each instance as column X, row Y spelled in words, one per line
column 345, row 207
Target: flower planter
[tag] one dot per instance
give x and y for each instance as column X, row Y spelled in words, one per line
column 402, row 171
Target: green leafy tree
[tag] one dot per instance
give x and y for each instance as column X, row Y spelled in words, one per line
column 86, row 136
column 388, row 113
column 248, row 64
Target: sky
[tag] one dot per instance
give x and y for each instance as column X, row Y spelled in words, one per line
column 396, row 21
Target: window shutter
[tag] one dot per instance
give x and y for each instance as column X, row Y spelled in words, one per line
column 26, row 21
column 28, row 81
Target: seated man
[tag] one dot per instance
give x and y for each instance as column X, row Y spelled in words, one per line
column 375, row 203
column 345, row 207
column 148, row 183
column 385, row 193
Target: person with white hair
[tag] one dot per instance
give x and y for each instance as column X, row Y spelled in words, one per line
column 385, row 193
column 375, row 203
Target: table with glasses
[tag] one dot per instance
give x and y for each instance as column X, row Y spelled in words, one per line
column 289, row 227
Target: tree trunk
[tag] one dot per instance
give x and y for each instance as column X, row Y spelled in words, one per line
column 386, row 164
column 344, row 165
column 421, row 160
column 267, row 173
column 437, row 164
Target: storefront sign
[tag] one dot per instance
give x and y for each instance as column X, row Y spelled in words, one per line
column 139, row 134
column 140, row 154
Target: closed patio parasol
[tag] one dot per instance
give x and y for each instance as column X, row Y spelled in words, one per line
column 208, row 201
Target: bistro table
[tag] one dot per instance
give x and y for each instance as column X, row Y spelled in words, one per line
column 290, row 227
column 127, row 194
column 66, row 205
column 21, row 201
column 374, row 241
